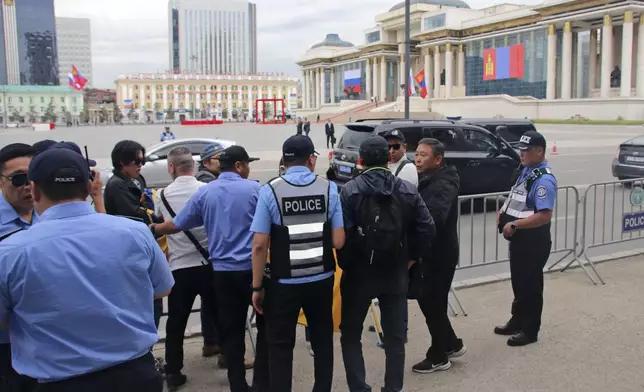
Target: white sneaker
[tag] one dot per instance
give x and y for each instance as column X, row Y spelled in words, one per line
column 456, row 354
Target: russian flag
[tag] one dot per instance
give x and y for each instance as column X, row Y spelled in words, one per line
column 76, row 80
column 352, row 80
column 411, row 87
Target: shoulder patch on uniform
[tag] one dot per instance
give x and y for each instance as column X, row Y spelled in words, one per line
column 542, row 192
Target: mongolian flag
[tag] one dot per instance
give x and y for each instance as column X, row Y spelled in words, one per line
column 420, row 79
column 504, row 63
column 76, row 80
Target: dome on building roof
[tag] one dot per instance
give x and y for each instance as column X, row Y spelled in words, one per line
column 443, row 3
column 333, row 40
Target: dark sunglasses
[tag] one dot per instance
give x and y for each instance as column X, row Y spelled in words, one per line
column 395, row 146
column 139, row 161
column 18, row 180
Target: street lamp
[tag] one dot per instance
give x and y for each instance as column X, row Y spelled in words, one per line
column 407, row 55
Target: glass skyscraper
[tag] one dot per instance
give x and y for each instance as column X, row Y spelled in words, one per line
column 28, row 51
column 213, row 36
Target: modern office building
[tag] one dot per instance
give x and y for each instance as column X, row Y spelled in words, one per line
column 213, row 36
column 201, row 95
column 74, row 47
column 556, row 59
column 28, row 52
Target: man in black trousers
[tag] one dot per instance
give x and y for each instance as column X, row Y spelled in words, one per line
column 329, row 130
column 438, row 186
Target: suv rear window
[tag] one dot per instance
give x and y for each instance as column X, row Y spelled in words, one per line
column 351, row 138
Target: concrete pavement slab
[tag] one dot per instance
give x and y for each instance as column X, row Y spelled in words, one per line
column 591, row 340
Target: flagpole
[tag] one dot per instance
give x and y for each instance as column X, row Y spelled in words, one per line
column 407, row 56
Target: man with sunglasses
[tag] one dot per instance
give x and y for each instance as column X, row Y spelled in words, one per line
column 124, row 189
column 399, row 165
column 16, row 214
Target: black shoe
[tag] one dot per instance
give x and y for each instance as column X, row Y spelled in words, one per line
column 507, row 330
column 458, row 350
column 427, row 366
column 521, row 339
column 175, row 380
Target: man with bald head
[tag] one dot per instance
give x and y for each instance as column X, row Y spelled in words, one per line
column 188, row 261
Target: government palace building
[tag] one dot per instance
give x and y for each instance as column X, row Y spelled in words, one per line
column 559, row 59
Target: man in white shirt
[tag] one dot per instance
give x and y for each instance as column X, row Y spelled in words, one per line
column 188, row 254
column 399, row 165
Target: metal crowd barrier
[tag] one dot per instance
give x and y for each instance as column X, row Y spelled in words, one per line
column 613, row 214
column 481, row 245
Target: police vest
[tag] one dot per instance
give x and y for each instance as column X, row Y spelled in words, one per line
column 301, row 245
column 516, row 205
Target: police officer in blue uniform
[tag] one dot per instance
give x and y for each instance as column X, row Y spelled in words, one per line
column 524, row 220
column 76, row 288
column 225, row 208
column 16, row 214
column 166, row 135
column 300, row 215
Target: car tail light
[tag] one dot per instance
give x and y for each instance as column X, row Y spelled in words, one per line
column 618, row 150
column 330, row 155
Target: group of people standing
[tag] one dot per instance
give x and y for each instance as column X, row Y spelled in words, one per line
column 304, row 127
column 77, row 286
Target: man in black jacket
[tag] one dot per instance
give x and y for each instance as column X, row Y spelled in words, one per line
column 329, row 130
column 369, row 273
column 124, row 190
column 438, row 186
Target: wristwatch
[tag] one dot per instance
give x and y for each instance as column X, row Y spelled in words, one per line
column 152, row 227
column 257, row 289
column 513, row 226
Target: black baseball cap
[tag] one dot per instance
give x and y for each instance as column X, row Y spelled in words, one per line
column 298, row 147
column 44, row 145
column 235, row 154
column 394, row 134
column 76, row 148
column 60, row 166
column 374, row 150
column 531, row 139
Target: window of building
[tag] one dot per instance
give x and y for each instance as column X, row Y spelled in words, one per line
column 63, row 109
column 31, row 100
column 20, row 99
column 62, row 99
column 42, row 99
column 10, row 99
column 434, row 22
column 372, row 37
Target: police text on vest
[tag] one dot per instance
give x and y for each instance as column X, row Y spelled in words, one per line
column 304, row 205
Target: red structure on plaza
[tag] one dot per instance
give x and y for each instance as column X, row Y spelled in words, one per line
column 267, row 112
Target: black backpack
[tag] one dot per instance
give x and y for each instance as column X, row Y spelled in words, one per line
column 381, row 232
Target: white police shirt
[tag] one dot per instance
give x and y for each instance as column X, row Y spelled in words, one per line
column 181, row 251
column 408, row 172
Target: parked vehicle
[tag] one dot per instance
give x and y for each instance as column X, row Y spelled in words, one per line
column 485, row 162
column 629, row 161
column 155, row 170
column 510, row 130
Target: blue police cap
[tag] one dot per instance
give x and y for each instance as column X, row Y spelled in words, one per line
column 60, row 166
column 298, row 146
column 44, row 145
column 211, row 149
column 73, row 147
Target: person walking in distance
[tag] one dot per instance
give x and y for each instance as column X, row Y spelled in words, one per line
column 438, row 186
column 299, row 215
column 398, row 163
column 109, row 269
column 388, row 228
column 524, row 220
column 189, row 262
column 299, row 126
column 307, row 126
column 329, row 130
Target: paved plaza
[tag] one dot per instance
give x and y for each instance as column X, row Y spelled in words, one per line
column 590, row 341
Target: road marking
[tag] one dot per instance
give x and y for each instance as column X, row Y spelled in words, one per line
column 570, row 171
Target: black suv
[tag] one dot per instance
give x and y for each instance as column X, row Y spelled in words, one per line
column 485, row 162
column 510, row 130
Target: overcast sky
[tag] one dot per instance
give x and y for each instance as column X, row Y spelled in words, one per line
column 132, row 35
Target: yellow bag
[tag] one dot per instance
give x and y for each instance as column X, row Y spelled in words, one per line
column 337, row 300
